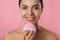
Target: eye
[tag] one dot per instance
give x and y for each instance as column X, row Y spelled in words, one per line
column 36, row 8
column 24, row 7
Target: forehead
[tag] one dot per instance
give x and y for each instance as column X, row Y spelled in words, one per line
column 29, row 2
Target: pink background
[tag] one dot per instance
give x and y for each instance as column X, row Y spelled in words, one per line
column 10, row 17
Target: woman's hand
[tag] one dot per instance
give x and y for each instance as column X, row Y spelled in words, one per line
column 28, row 35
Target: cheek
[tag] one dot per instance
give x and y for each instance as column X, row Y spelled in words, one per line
column 23, row 13
column 37, row 13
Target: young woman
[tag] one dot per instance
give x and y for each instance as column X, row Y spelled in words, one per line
column 31, row 11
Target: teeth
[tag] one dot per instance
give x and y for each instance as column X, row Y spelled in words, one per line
column 30, row 18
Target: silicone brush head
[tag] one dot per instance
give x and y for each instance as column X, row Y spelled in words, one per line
column 29, row 26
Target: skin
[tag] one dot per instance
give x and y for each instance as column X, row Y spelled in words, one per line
column 31, row 8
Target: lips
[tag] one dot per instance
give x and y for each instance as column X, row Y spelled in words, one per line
column 30, row 18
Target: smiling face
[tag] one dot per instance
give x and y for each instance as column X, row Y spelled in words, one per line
column 30, row 10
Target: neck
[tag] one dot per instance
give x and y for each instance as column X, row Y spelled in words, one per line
column 37, row 26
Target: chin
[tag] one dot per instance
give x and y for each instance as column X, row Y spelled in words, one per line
column 34, row 22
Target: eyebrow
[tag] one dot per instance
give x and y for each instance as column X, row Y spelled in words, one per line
column 33, row 5
column 24, row 5
column 36, row 5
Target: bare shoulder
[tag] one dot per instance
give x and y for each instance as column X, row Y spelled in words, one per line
column 9, row 36
column 13, row 34
column 48, row 35
column 51, row 36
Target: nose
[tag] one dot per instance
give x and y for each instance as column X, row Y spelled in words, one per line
column 30, row 12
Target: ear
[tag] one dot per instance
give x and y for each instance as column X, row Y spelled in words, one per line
column 41, row 10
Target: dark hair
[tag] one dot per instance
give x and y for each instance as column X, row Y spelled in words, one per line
column 41, row 1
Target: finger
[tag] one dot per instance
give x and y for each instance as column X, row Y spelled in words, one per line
column 29, row 35
column 26, row 32
column 26, row 37
column 32, row 36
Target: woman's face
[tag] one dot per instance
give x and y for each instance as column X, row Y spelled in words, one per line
column 30, row 10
